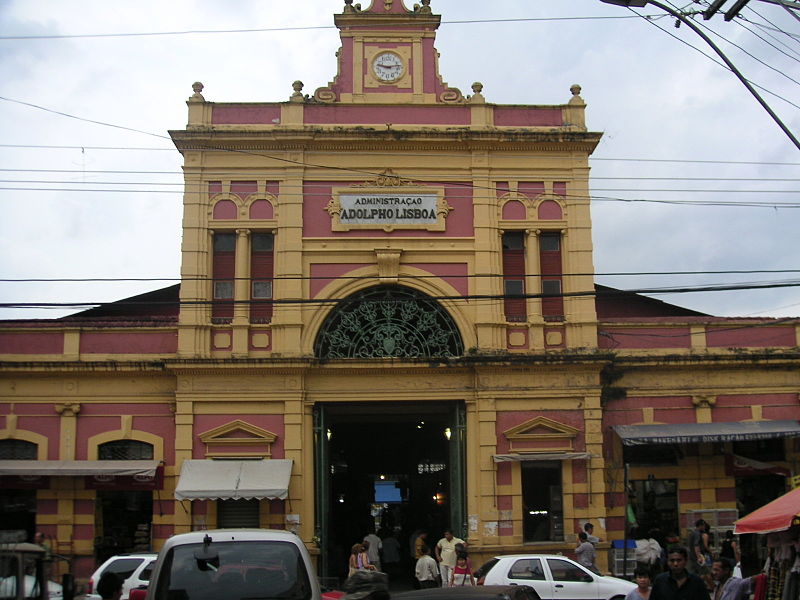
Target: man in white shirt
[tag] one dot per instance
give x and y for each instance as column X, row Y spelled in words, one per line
column 374, row 549
column 425, row 571
column 446, row 555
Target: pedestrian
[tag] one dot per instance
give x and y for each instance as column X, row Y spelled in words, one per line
column 462, row 573
column 698, row 547
column 677, row 583
column 426, row 571
column 374, row 546
column 585, row 552
column 359, row 561
column 643, row 583
column 728, row 587
column 446, row 555
column 730, row 548
column 110, row 586
column 391, row 555
column 589, row 529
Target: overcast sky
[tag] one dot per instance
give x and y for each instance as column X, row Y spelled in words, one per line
column 674, row 124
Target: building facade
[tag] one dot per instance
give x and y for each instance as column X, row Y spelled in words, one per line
column 387, row 317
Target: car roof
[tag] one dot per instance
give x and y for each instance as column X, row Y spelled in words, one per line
column 466, row 591
column 532, row 556
column 230, row 535
column 134, row 555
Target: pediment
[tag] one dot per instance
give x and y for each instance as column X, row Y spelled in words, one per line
column 541, row 434
column 238, row 438
column 238, row 431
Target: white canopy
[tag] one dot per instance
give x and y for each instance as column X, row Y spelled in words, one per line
column 234, row 479
column 78, row 467
column 540, row 456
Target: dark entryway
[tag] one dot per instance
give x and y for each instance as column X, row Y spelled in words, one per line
column 395, row 468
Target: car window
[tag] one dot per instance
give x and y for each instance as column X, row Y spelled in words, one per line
column 123, row 567
column 525, row 592
column 563, row 570
column 147, row 571
column 483, row 571
column 527, row 568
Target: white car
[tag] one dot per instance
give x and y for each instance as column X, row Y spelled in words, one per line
column 554, row 577
column 133, row 569
column 8, row 588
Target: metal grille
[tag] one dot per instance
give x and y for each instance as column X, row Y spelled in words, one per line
column 18, row 450
column 389, row 321
column 125, row 450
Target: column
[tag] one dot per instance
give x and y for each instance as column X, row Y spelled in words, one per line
column 241, row 294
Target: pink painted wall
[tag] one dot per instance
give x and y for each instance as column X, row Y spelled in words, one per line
column 560, row 188
column 550, row 210
column 644, row 337
column 95, row 418
column 214, row 188
column 456, row 274
column 261, row 209
column 233, row 114
column 527, row 117
column 748, row 336
column 244, row 188
column 34, row 342
column 272, row 423
column 317, row 222
column 224, row 209
column 532, row 189
column 514, row 210
column 118, row 342
column 322, row 114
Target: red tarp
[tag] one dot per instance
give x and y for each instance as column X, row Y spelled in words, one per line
column 775, row 516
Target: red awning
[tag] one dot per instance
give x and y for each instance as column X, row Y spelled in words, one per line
column 775, row 516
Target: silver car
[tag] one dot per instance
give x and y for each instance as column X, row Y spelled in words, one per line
column 554, row 577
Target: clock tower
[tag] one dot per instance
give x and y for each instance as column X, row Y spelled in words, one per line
column 387, row 56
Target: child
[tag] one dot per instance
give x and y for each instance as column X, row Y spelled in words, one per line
column 642, row 591
column 462, row 573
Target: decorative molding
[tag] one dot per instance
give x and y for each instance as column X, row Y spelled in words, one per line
column 388, row 264
column 541, row 434
column 68, row 409
column 250, row 440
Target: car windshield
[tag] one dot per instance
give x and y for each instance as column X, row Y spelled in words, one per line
column 235, row 571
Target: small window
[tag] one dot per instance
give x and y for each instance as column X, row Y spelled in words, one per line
column 527, row 568
column 567, row 571
column 262, row 242
column 147, row 572
column 514, row 240
column 223, row 290
column 125, row 450
column 551, row 287
column 550, row 242
column 18, row 450
column 514, row 287
column 262, row 289
column 123, row 567
column 224, row 242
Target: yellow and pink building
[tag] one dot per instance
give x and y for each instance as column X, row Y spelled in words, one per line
column 387, row 316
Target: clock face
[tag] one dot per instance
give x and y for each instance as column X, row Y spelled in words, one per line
column 388, row 66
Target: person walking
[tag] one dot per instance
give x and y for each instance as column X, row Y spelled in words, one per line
column 462, row 573
column 446, row 555
column 585, row 552
column 374, row 546
column 426, row 571
column 677, row 583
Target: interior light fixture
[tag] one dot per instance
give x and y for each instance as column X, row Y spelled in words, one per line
column 447, row 433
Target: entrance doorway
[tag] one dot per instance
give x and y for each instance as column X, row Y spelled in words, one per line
column 388, row 468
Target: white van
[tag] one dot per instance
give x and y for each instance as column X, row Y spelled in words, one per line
column 234, row 564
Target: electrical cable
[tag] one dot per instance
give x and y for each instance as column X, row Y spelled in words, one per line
column 299, row 28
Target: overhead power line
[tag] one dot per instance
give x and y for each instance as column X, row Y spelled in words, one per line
column 464, row 297
column 289, row 29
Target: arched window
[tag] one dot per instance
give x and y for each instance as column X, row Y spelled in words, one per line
column 18, row 450
column 125, row 450
column 389, row 321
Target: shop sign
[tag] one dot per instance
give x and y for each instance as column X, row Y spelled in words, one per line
column 102, row 481
column 388, row 203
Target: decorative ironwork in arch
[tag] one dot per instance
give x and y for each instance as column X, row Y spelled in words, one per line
column 125, row 450
column 389, row 321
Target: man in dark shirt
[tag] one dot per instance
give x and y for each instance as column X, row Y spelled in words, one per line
column 677, row 583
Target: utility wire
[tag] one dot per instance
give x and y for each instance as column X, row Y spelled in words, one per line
column 299, row 28
column 463, row 297
column 409, row 277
